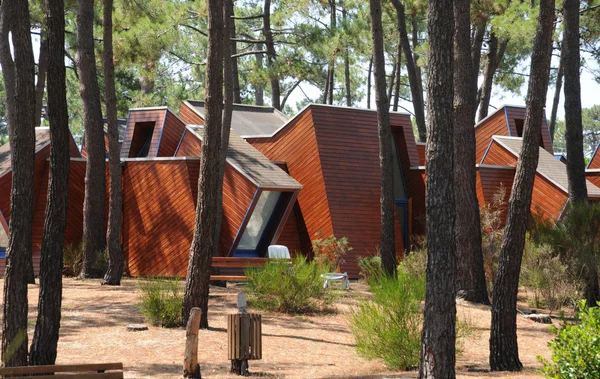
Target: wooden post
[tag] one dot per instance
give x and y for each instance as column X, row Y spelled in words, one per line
column 191, row 368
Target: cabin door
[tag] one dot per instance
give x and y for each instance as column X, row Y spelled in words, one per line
column 402, row 210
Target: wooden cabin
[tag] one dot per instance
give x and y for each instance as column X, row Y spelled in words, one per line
column 334, row 153
column 550, row 191
column 40, row 177
column 507, row 120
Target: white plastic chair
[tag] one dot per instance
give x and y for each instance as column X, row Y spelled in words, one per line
column 278, row 252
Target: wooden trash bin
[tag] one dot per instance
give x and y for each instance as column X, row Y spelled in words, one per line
column 244, row 340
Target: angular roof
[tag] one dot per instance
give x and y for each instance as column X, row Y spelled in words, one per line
column 249, row 120
column 548, row 166
column 42, row 139
column 251, row 163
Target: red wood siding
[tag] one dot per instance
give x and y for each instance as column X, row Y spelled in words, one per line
column 595, row 161
column 144, row 115
column 514, row 113
column 171, row 135
column 296, row 144
column 189, row 116
column 494, row 125
column 498, row 155
column 547, row 200
column 421, row 151
column 158, row 217
column 490, row 179
column 593, row 177
column 190, row 145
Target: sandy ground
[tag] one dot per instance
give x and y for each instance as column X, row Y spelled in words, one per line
column 95, row 317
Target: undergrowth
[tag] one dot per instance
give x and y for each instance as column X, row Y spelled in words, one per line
column 162, row 301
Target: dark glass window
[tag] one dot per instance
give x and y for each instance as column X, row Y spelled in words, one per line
column 261, row 215
column 141, row 140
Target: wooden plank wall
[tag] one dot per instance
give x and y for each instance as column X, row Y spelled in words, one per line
column 495, row 125
column 144, row 115
column 593, row 177
column 189, row 116
column 489, row 181
column 421, row 151
column 348, row 144
column 517, row 113
column 171, row 135
column 498, row 155
column 296, row 144
column 158, row 217
column 595, row 161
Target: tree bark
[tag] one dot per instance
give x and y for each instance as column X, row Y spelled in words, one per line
column 333, row 26
column 191, row 368
column 116, row 261
column 41, row 78
column 326, row 89
column 45, row 338
column 415, row 44
column 369, row 85
column 504, row 352
column 556, row 99
column 574, row 129
column 259, row 89
column 199, row 267
column 470, row 283
column 387, row 241
column 494, row 58
column 476, row 45
column 271, row 56
column 411, row 68
column 95, row 173
column 347, row 66
column 390, row 86
column 398, row 74
column 237, row 96
column 19, row 84
column 439, row 323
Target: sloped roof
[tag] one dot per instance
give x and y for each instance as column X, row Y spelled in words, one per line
column 548, row 166
column 252, row 164
column 249, row 120
column 42, row 138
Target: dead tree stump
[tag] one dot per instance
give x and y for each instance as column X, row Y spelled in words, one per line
column 191, row 368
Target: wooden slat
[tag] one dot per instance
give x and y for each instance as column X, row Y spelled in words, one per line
column 61, row 368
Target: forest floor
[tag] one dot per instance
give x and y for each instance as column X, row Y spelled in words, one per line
column 94, row 319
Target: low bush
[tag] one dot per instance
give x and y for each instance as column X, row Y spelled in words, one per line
column 575, row 348
column 162, row 301
column 370, row 267
column 388, row 326
column 415, row 263
column 73, row 260
column 289, row 288
column 492, row 231
column 330, row 251
column 543, row 273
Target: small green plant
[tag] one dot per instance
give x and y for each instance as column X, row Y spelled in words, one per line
column 330, row 251
column 73, row 260
column 370, row 267
column 575, row 350
column 388, row 326
column 415, row 262
column 543, row 272
column 162, row 300
column 289, row 288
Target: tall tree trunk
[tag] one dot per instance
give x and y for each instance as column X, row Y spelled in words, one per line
column 237, row 96
column 387, row 243
column 504, row 351
column 45, row 338
column 95, row 172
column 333, row 26
column 574, row 129
column 470, row 279
column 398, row 73
column 326, row 89
column 41, row 78
column 415, row 44
column 439, row 323
column 19, row 84
column 347, row 66
column 116, row 260
column 259, row 90
column 271, row 56
column 416, row 89
column 390, row 86
column 476, row 45
column 494, row 58
column 369, row 85
column 556, row 99
column 199, row 267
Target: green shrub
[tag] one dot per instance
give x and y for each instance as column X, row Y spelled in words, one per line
column 388, row 326
column 289, row 288
column 370, row 267
column 543, row 272
column 576, row 348
column 415, row 263
column 330, row 251
column 162, row 301
column 73, row 260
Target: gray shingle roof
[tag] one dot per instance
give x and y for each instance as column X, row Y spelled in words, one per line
column 252, row 164
column 250, row 120
column 548, row 165
column 42, row 138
